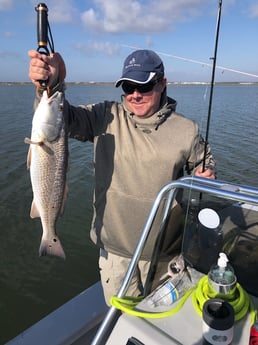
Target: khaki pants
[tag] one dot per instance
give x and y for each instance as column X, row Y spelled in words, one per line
column 113, row 269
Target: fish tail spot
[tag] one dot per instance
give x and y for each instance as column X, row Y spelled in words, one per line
column 54, row 240
column 51, row 247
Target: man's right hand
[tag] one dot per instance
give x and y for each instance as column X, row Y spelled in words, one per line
column 43, row 67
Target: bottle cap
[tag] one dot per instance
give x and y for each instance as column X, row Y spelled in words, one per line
column 209, row 218
column 222, row 260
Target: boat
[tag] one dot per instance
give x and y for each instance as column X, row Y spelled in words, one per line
column 86, row 319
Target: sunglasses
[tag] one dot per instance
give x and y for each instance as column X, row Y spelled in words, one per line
column 129, row 88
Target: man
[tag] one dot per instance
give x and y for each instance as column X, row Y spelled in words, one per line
column 140, row 145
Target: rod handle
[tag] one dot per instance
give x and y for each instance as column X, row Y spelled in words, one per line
column 42, row 33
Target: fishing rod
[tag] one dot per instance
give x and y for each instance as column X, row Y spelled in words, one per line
column 214, row 58
column 161, row 235
column 204, row 64
column 44, row 34
column 194, row 205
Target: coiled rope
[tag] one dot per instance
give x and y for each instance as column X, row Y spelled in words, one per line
column 128, row 305
column 239, row 299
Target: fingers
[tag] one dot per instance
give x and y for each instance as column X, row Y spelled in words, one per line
column 38, row 68
column 43, row 67
column 208, row 173
column 34, row 54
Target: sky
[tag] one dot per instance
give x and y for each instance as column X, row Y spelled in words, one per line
column 95, row 36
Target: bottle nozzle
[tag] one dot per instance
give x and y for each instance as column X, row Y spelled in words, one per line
column 222, row 260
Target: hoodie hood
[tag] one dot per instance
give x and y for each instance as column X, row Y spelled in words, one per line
column 168, row 106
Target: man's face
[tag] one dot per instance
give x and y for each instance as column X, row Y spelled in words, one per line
column 143, row 104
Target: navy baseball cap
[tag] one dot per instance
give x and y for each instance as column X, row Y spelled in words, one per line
column 141, row 66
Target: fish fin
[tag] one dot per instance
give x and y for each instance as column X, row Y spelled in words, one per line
column 47, row 149
column 27, row 140
column 51, row 247
column 64, row 200
column 41, row 143
column 34, row 213
column 30, row 142
column 29, row 159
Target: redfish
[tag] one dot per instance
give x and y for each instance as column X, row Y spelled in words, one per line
column 48, row 163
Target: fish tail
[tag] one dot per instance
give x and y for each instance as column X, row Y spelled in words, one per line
column 51, row 247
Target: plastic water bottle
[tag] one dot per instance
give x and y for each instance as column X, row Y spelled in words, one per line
column 173, row 288
column 221, row 276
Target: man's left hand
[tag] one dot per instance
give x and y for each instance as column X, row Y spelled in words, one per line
column 208, row 173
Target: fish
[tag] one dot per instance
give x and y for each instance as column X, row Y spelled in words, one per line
column 47, row 161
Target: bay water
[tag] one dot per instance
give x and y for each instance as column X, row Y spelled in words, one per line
column 31, row 287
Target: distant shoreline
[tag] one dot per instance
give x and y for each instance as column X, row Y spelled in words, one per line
column 93, row 83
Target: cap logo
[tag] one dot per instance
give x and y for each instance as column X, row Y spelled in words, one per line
column 132, row 63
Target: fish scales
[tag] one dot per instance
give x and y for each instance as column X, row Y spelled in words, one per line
column 48, row 161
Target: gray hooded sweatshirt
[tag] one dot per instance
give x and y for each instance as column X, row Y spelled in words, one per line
column 133, row 159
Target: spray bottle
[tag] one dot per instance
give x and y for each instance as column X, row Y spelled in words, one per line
column 221, row 276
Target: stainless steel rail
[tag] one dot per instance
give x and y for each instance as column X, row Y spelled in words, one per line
column 220, row 189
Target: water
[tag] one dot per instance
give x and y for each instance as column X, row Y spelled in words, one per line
column 31, row 287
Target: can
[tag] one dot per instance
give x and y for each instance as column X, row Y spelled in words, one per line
column 254, row 334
